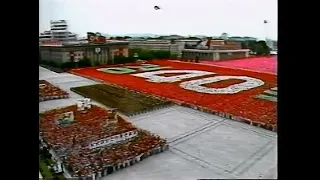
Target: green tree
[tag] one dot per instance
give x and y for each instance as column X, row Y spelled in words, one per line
column 244, row 45
column 161, row 54
column 251, row 45
column 146, row 55
column 85, row 62
column 122, row 59
column 173, row 56
column 68, row 65
column 261, row 48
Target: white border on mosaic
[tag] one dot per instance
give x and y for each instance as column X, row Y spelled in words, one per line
column 196, row 85
column 153, row 76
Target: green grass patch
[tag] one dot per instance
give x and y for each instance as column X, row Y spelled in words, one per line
column 268, row 98
column 45, row 172
column 272, row 93
column 127, row 101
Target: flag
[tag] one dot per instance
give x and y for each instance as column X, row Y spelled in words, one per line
column 265, row 21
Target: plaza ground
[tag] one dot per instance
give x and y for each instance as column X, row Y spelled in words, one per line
column 261, row 64
column 201, row 145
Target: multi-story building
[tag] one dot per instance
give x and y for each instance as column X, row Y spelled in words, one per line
column 214, row 55
column 157, row 45
column 58, row 31
column 102, row 53
column 219, row 44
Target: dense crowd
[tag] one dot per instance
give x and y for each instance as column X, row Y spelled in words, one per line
column 47, row 90
column 85, row 128
column 88, row 127
column 88, row 161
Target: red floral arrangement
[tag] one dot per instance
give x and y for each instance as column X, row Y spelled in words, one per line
column 48, row 91
column 244, row 104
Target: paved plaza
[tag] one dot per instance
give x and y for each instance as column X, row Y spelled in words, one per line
column 201, row 145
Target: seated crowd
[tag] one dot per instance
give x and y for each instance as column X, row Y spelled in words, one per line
column 85, row 128
column 88, row 161
column 88, row 127
column 48, row 90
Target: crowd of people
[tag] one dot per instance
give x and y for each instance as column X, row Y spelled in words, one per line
column 85, row 128
column 89, row 161
column 48, row 91
column 74, row 139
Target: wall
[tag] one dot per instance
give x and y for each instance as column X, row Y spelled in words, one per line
column 102, row 57
column 173, row 48
column 62, row 54
column 50, row 55
column 214, row 55
column 234, row 55
column 120, row 51
column 202, row 56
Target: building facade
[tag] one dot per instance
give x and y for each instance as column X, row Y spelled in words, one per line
column 214, row 55
column 157, row 45
column 102, row 53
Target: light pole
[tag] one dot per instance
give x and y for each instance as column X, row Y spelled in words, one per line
column 265, row 22
column 266, row 32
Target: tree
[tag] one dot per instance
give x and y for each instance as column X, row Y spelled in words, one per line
column 261, row 48
column 160, row 54
column 251, row 45
column 122, row 59
column 68, row 65
column 145, row 55
column 85, row 62
column 244, row 45
column 173, row 56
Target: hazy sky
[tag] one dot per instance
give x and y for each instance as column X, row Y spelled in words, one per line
column 183, row 17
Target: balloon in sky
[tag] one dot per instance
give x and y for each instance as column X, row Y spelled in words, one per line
column 156, row 7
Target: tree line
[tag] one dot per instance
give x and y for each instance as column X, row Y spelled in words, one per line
column 135, row 54
column 259, row 47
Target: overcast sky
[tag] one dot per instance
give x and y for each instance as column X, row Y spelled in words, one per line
column 183, row 17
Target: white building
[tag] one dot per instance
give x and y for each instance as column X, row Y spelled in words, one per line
column 58, row 31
